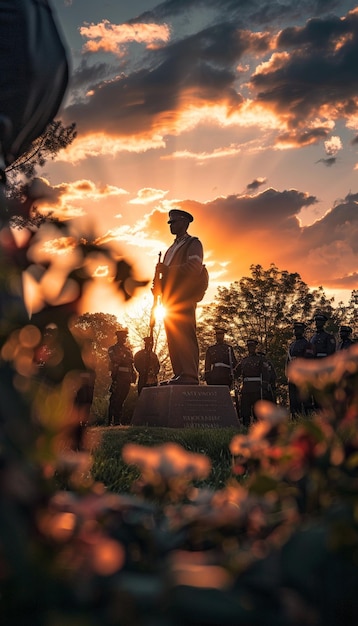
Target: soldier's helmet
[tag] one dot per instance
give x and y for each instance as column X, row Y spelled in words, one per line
column 178, row 214
column 251, row 341
column 122, row 332
column 320, row 317
column 345, row 329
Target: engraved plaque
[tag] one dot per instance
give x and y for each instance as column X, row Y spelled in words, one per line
column 185, row 406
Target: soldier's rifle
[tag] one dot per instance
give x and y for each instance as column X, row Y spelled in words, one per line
column 157, row 293
column 261, row 375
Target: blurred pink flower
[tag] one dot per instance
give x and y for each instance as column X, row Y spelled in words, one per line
column 166, row 461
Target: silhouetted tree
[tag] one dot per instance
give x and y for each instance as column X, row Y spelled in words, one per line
column 96, row 332
column 55, row 138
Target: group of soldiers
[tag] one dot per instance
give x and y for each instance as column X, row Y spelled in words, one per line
column 319, row 346
column 124, row 368
column 255, row 372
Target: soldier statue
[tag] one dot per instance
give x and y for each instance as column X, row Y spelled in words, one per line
column 255, row 371
column 181, row 272
column 299, row 348
column 123, row 374
column 220, row 361
column 345, row 338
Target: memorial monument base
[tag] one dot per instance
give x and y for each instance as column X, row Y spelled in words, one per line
column 185, row 406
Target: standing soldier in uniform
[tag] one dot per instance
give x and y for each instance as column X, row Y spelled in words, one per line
column 123, row 374
column 254, row 371
column 220, row 361
column 300, row 348
column 180, row 272
column 269, row 378
column 345, row 338
column 147, row 365
column 323, row 343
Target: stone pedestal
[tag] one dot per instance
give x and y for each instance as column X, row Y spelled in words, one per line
column 185, row 406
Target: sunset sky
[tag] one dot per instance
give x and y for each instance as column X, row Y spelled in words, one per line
column 243, row 112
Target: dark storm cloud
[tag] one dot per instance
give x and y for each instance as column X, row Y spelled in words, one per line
column 202, row 69
column 303, row 137
column 266, row 229
column 267, row 13
column 199, row 65
column 328, row 248
column 87, row 75
column 266, row 211
column 220, row 45
column 255, row 184
column 346, row 282
column 245, row 12
column 340, row 224
column 317, row 34
column 172, row 8
column 131, row 104
column 320, row 71
column 328, row 162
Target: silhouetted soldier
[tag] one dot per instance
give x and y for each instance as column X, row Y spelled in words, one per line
column 147, row 365
column 123, row 374
column 345, row 338
column 300, row 348
column 220, row 361
column 254, row 371
column 180, row 272
column 323, row 343
column 269, row 377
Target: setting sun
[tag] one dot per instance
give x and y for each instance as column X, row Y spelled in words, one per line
column 160, row 312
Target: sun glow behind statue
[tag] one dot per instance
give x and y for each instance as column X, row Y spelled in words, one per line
column 160, row 312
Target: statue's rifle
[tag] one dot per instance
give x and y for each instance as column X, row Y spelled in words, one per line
column 157, row 292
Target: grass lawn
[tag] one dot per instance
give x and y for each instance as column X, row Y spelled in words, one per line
column 109, row 468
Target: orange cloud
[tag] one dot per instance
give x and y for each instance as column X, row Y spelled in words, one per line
column 333, row 145
column 297, row 94
column 108, row 37
column 200, row 157
column 102, row 144
column 302, row 81
column 148, row 195
column 70, row 200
